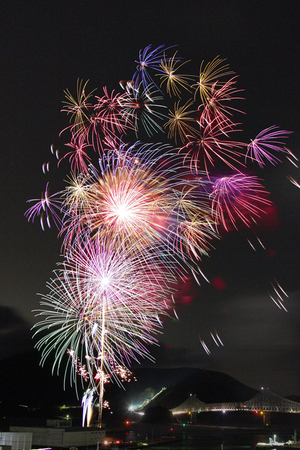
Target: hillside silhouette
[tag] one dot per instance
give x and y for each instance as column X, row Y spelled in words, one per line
column 208, row 386
column 29, row 390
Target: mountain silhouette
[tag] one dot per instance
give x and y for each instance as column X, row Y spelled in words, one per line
column 27, row 389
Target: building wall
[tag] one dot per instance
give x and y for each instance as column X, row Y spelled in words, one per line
column 17, row 440
column 59, row 437
column 83, row 438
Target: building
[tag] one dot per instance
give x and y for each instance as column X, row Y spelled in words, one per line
column 16, row 441
column 63, row 437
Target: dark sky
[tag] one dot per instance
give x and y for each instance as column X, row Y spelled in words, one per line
column 46, row 47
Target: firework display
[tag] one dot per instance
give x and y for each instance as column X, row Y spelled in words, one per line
column 154, row 176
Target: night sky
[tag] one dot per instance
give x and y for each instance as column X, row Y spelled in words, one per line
column 45, row 48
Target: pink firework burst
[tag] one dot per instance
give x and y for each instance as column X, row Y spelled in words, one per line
column 211, row 146
column 218, row 106
column 238, row 198
column 108, row 110
column 78, row 157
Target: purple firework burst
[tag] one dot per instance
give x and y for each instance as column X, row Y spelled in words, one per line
column 267, row 141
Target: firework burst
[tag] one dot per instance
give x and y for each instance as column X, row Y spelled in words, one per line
column 139, row 199
column 47, row 208
column 266, row 142
column 148, row 59
column 209, row 76
column 218, row 106
column 175, row 82
column 182, row 123
column 143, row 107
column 238, row 198
column 78, row 108
column 134, row 217
column 213, row 145
column 103, row 308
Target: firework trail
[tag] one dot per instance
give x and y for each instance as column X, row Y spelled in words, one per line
column 216, row 338
column 278, row 295
column 206, row 349
column 294, row 182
